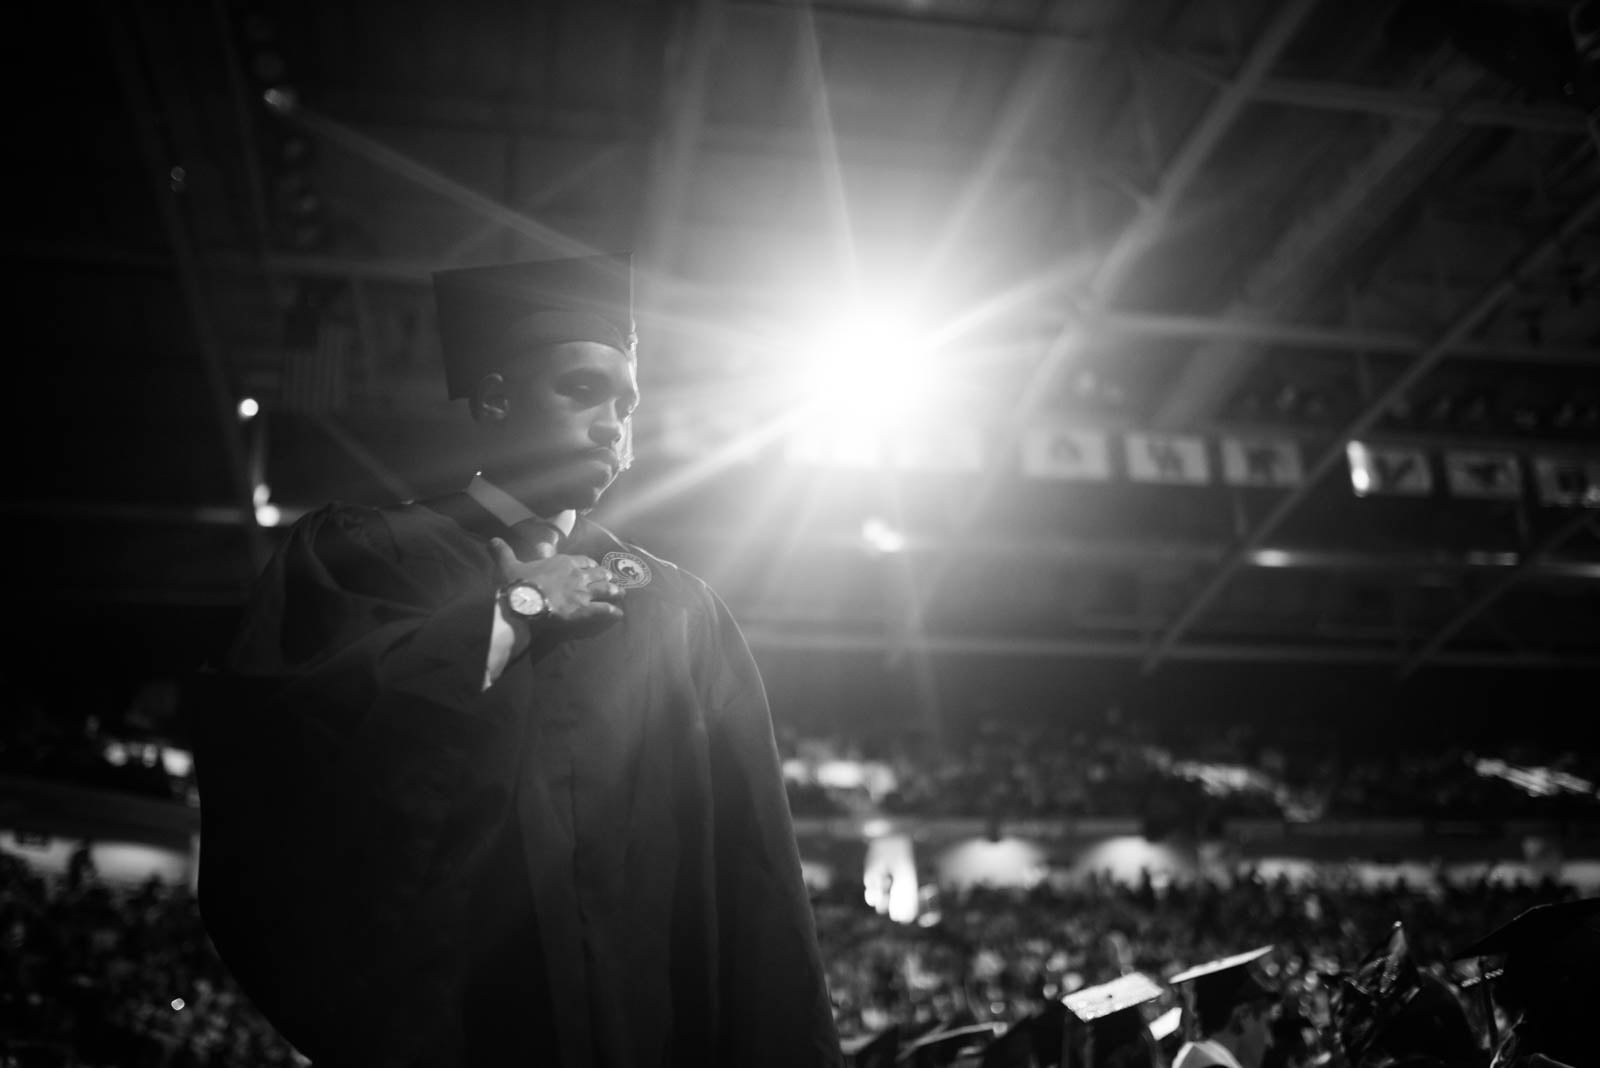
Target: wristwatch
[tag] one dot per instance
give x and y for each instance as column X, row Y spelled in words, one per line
column 525, row 599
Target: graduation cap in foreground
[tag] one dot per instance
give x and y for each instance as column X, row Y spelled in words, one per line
column 944, row 1047
column 1389, row 1008
column 874, row 1051
column 1032, row 1042
column 1217, row 987
column 1543, row 964
column 488, row 316
column 1105, row 1026
column 1544, row 932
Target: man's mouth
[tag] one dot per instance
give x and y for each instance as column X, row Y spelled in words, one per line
column 602, row 456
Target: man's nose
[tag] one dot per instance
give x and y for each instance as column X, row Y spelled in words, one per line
column 607, row 430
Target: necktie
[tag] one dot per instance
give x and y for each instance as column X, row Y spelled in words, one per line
column 528, row 536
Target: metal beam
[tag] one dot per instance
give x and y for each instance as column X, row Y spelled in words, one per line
column 1125, row 552
column 1152, row 325
column 1424, row 107
column 684, row 120
column 921, row 19
column 142, row 106
column 1326, row 338
column 1113, row 271
column 1304, row 254
column 778, row 636
column 1447, row 341
column 808, row 636
column 1497, row 589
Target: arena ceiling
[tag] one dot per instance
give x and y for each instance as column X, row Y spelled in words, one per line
column 1129, row 242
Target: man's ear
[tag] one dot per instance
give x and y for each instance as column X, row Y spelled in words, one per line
column 490, row 400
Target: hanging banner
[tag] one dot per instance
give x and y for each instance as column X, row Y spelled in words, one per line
column 1388, row 470
column 1568, row 480
column 1483, row 475
column 1173, row 459
column 1257, row 462
column 1066, row 453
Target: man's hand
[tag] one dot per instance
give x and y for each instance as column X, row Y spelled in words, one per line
column 578, row 589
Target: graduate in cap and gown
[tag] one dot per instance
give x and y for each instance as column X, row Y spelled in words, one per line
column 1231, row 1013
column 484, row 784
column 1543, row 970
column 1105, row 1026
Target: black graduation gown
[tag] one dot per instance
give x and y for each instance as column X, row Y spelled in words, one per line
column 594, row 857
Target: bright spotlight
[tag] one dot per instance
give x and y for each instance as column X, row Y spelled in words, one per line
column 248, row 408
column 281, row 99
column 261, row 494
column 881, row 537
column 863, row 363
column 860, row 380
column 267, row 515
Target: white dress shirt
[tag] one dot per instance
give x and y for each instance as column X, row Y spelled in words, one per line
column 510, row 634
column 1204, row 1054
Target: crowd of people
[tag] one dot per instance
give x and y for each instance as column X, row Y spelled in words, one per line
column 1013, row 770
column 98, row 974
column 94, row 974
column 998, row 955
column 1023, row 771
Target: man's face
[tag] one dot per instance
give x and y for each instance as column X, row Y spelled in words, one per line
column 565, row 433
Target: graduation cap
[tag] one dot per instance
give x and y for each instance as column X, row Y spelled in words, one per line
column 1220, row 986
column 1032, row 1042
column 1542, row 932
column 489, row 316
column 1389, row 1008
column 875, row 1050
column 1543, row 964
column 1104, row 1023
column 946, row 1046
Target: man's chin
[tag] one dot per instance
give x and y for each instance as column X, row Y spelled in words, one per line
column 547, row 495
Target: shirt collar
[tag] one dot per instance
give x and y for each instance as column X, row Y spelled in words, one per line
column 510, row 511
column 1224, row 1056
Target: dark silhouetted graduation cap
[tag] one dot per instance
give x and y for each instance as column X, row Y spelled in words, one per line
column 946, row 1046
column 1217, row 987
column 874, row 1051
column 1105, row 1026
column 488, row 316
column 1541, row 931
column 1389, row 1009
column 1032, row 1042
column 1545, row 946
column 1543, row 964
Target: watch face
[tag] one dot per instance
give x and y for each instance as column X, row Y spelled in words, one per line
column 525, row 600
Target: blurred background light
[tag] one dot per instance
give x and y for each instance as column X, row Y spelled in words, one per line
column 890, row 877
column 249, row 408
column 881, row 537
column 1360, row 468
column 861, row 378
column 281, row 100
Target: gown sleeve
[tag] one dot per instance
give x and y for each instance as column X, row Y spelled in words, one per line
column 773, row 996
column 337, row 749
